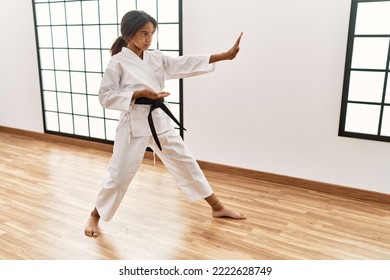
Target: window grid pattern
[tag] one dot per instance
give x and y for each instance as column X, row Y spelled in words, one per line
column 365, row 111
column 73, row 43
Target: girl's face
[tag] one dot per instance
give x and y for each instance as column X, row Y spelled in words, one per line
column 142, row 40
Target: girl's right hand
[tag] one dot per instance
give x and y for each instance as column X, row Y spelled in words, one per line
column 150, row 94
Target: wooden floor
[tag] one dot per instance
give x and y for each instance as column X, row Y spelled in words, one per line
column 47, row 191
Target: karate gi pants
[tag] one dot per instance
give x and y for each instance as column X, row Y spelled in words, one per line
column 127, row 157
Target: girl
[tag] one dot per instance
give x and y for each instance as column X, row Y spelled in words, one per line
column 133, row 83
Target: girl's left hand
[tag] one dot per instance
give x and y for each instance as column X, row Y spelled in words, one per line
column 229, row 55
column 232, row 53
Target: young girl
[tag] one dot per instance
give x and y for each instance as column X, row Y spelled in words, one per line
column 133, row 83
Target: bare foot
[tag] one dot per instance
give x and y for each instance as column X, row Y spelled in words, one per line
column 92, row 227
column 220, row 211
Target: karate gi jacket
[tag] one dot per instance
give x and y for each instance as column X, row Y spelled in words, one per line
column 126, row 73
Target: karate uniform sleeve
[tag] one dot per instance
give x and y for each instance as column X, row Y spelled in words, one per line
column 186, row 66
column 111, row 96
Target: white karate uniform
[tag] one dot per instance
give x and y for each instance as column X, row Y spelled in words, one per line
column 126, row 73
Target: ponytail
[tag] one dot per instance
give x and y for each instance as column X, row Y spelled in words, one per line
column 118, row 45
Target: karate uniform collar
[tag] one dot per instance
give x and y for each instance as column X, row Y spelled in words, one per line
column 127, row 51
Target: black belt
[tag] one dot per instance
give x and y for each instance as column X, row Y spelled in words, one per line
column 158, row 103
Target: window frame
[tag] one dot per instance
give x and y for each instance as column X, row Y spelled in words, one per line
column 69, row 71
column 378, row 136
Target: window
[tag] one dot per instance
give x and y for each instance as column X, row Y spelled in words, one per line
column 73, row 43
column 365, row 111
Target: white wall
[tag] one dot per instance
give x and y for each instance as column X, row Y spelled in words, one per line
column 274, row 109
column 20, row 101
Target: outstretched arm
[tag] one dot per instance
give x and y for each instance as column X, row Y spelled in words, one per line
column 229, row 55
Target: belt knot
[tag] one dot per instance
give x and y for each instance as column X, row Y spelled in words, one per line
column 155, row 104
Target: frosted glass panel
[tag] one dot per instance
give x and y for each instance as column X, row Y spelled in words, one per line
column 362, row 118
column 78, row 82
column 125, row 6
column 93, row 83
column 91, row 37
column 93, row 60
column 76, row 58
column 81, row 126
column 97, row 128
column 107, row 11
column 73, row 13
column 109, row 33
column 168, row 11
column 57, row 13
column 43, row 14
column 50, row 100
column 46, row 58
column 373, row 18
column 386, row 122
column 148, row 6
column 66, row 123
column 61, row 59
column 366, row 86
column 370, row 53
column 48, row 80
column 63, row 81
column 51, row 120
column 111, row 129
column 79, row 103
column 168, row 36
column 75, row 37
column 44, row 37
column 64, row 102
column 388, row 91
column 90, row 12
column 59, row 37
column 94, row 107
